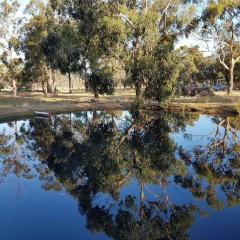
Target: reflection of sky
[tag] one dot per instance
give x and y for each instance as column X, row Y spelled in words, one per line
column 198, row 134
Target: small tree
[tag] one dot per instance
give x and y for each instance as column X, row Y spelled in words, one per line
column 100, row 81
column 12, row 72
column 163, row 72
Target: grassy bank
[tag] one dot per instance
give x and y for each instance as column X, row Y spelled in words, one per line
column 26, row 103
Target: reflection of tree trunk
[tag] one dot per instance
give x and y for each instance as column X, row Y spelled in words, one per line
column 86, row 117
column 55, row 122
column 223, row 141
column 142, row 196
column 70, row 119
column 120, row 183
column 125, row 135
column 70, row 82
column 14, row 86
column 15, row 130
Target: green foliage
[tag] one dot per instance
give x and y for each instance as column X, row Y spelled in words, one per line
column 9, row 42
column 100, row 81
column 129, row 32
column 137, row 105
column 98, row 39
column 163, row 73
column 34, row 32
column 62, row 51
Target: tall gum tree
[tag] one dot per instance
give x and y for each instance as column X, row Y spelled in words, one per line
column 34, row 32
column 128, row 31
column 62, row 51
column 101, row 39
column 221, row 24
column 149, row 23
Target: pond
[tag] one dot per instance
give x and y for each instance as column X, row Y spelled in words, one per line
column 117, row 175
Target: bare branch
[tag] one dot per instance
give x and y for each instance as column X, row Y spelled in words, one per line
column 223, row 63
column 127, row 19
column 237, row 59
column 164, row 11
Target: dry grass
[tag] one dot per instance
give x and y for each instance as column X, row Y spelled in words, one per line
column 27, row 103
column 219, row 97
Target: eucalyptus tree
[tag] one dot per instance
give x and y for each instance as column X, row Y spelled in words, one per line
column 131, row 32
column 99, row 35
column 9, row 44
column 195, row 70
column 63, row 51
column 152, row 28
column 221, row 21
column 34, row 32
column 188, row 70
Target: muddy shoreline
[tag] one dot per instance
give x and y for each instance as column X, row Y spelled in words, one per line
column 25, row 111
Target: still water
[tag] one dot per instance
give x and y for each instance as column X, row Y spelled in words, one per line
column 116, row 175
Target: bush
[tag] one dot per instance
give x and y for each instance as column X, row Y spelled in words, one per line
column 101, row 81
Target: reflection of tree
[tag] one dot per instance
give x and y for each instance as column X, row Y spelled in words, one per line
column 95, row 155
column 221, row 140
column 216, row 164
column 5, row 147
column 94, row 159
column 125, row 224
column 11, row 154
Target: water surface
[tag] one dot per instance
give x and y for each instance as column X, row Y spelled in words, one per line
column 117, row 175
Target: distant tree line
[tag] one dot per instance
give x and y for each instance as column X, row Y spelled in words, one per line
column 97, row 39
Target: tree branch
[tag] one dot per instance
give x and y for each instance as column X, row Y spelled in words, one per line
column 127, row 19
column 237, row 59
column 164, row 11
